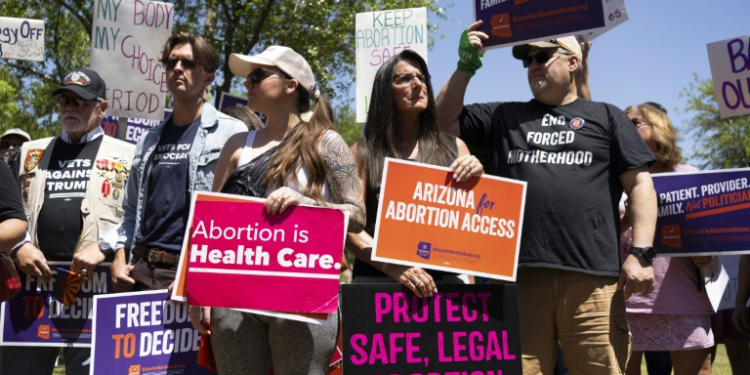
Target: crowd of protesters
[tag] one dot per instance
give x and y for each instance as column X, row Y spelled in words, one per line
column 592, row 294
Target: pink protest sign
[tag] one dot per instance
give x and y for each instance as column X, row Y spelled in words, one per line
column 240, row 257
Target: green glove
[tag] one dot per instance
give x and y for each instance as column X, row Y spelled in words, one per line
column 468, row 58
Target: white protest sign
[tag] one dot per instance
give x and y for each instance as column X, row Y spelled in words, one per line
column 21, row 39
column 730, row 70
column 126, row 39
column 615, row 14
column 379, row 36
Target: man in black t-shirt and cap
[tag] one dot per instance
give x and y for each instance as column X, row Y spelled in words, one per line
column 72, row 187
column 577, row 157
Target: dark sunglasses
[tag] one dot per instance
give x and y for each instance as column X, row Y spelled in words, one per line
column 75, row 101
column 187, row 64
column 10, row 144
column 404, row 79
column 639, row 123
column 260, row 74
column 541, row 58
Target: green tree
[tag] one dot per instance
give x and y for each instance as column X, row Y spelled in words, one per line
column 720, row 143
column 322, row 31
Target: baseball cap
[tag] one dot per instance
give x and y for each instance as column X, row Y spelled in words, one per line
column 18, row 132
column 283, row 58
column 570, row 43
column 85, row 83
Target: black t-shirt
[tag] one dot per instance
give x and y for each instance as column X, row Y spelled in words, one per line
column 571, row 156
column 11, row 206
column 60, row 223
column 167, row 199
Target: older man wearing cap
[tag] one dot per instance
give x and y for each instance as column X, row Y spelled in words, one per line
column 10, row 144
column 172, row 160
column 577, row 157
column 72, row 187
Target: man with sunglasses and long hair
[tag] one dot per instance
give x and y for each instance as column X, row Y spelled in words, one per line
column 172, row 160
column 72, row 187
column 577, row 157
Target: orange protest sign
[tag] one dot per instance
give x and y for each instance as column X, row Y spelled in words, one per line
column 426, row 219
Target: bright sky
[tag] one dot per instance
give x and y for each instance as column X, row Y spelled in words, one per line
column 651, row 57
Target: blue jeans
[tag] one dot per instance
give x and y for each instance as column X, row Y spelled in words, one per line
column 32, row 360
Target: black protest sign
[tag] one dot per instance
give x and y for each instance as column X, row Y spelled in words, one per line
column 462, row 330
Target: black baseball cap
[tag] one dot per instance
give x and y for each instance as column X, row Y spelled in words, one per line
column 85, row 83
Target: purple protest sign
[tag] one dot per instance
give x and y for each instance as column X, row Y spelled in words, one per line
column 136, row 127
column 229, row 100
column 703, row 213
column 143, row 333
column 56, row 313
column 515, row 22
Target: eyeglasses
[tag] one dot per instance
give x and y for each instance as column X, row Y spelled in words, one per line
column 404, row 79
column 187, row 64
column 75, row 101
column 541, row 58
column 638, row 123
column 10, row 144
column 260, row 74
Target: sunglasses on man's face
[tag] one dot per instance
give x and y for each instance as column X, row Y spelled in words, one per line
column 187, row 64
column 407, row 78
column 75, row 101
column 541, row 58
column 260, row 74
column 10, row 144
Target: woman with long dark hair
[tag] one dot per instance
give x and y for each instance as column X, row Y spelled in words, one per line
column 402, row 123
column 289, row 162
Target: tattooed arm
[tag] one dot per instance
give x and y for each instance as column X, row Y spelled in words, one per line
column 342, row 179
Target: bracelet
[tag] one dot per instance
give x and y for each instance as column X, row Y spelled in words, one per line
column 385, row 265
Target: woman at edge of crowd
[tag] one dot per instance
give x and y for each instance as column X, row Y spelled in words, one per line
column 676, row 316
column 402, row 124
column 289, row 162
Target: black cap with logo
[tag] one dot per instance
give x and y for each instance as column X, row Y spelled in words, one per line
column 85, row 83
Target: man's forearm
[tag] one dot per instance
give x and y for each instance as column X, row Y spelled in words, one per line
column 644, row 209
column 450, row 102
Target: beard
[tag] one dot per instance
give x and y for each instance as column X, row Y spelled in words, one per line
column 538, row 85
column 72, row 122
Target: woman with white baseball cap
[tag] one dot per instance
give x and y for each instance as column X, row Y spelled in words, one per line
column 293, row 160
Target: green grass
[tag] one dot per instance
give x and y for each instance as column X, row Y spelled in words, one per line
column 720, row 367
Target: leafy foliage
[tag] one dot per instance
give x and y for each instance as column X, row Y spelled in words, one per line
column 720, row 143
column 320, row 30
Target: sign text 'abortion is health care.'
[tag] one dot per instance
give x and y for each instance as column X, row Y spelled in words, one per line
column 381, row 35
column 55, row 313
column 463, row 329
column 730, row 70
column 21, row 39
column 703, row 213
column 427, row 219
column 143, row 333
column 126, row 39
column 241, row 257
column 512, row 22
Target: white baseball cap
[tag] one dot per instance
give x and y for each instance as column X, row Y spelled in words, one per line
column 18, row 132
column 284, row 58
column 569, row 43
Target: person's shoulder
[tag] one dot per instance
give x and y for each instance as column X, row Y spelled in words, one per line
column 611, row 108
column 685, row 168
column 37, row 143
column 118, row 143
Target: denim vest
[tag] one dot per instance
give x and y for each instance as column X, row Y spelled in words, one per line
column 215, row 129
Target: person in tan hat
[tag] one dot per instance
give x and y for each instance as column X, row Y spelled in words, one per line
column 10, row 145
column 291, row 161
column 577, row 157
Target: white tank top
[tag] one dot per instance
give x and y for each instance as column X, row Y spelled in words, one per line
column 303, row 176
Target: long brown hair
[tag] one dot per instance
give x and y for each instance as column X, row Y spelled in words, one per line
column 301, row 149
column 379, row 138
